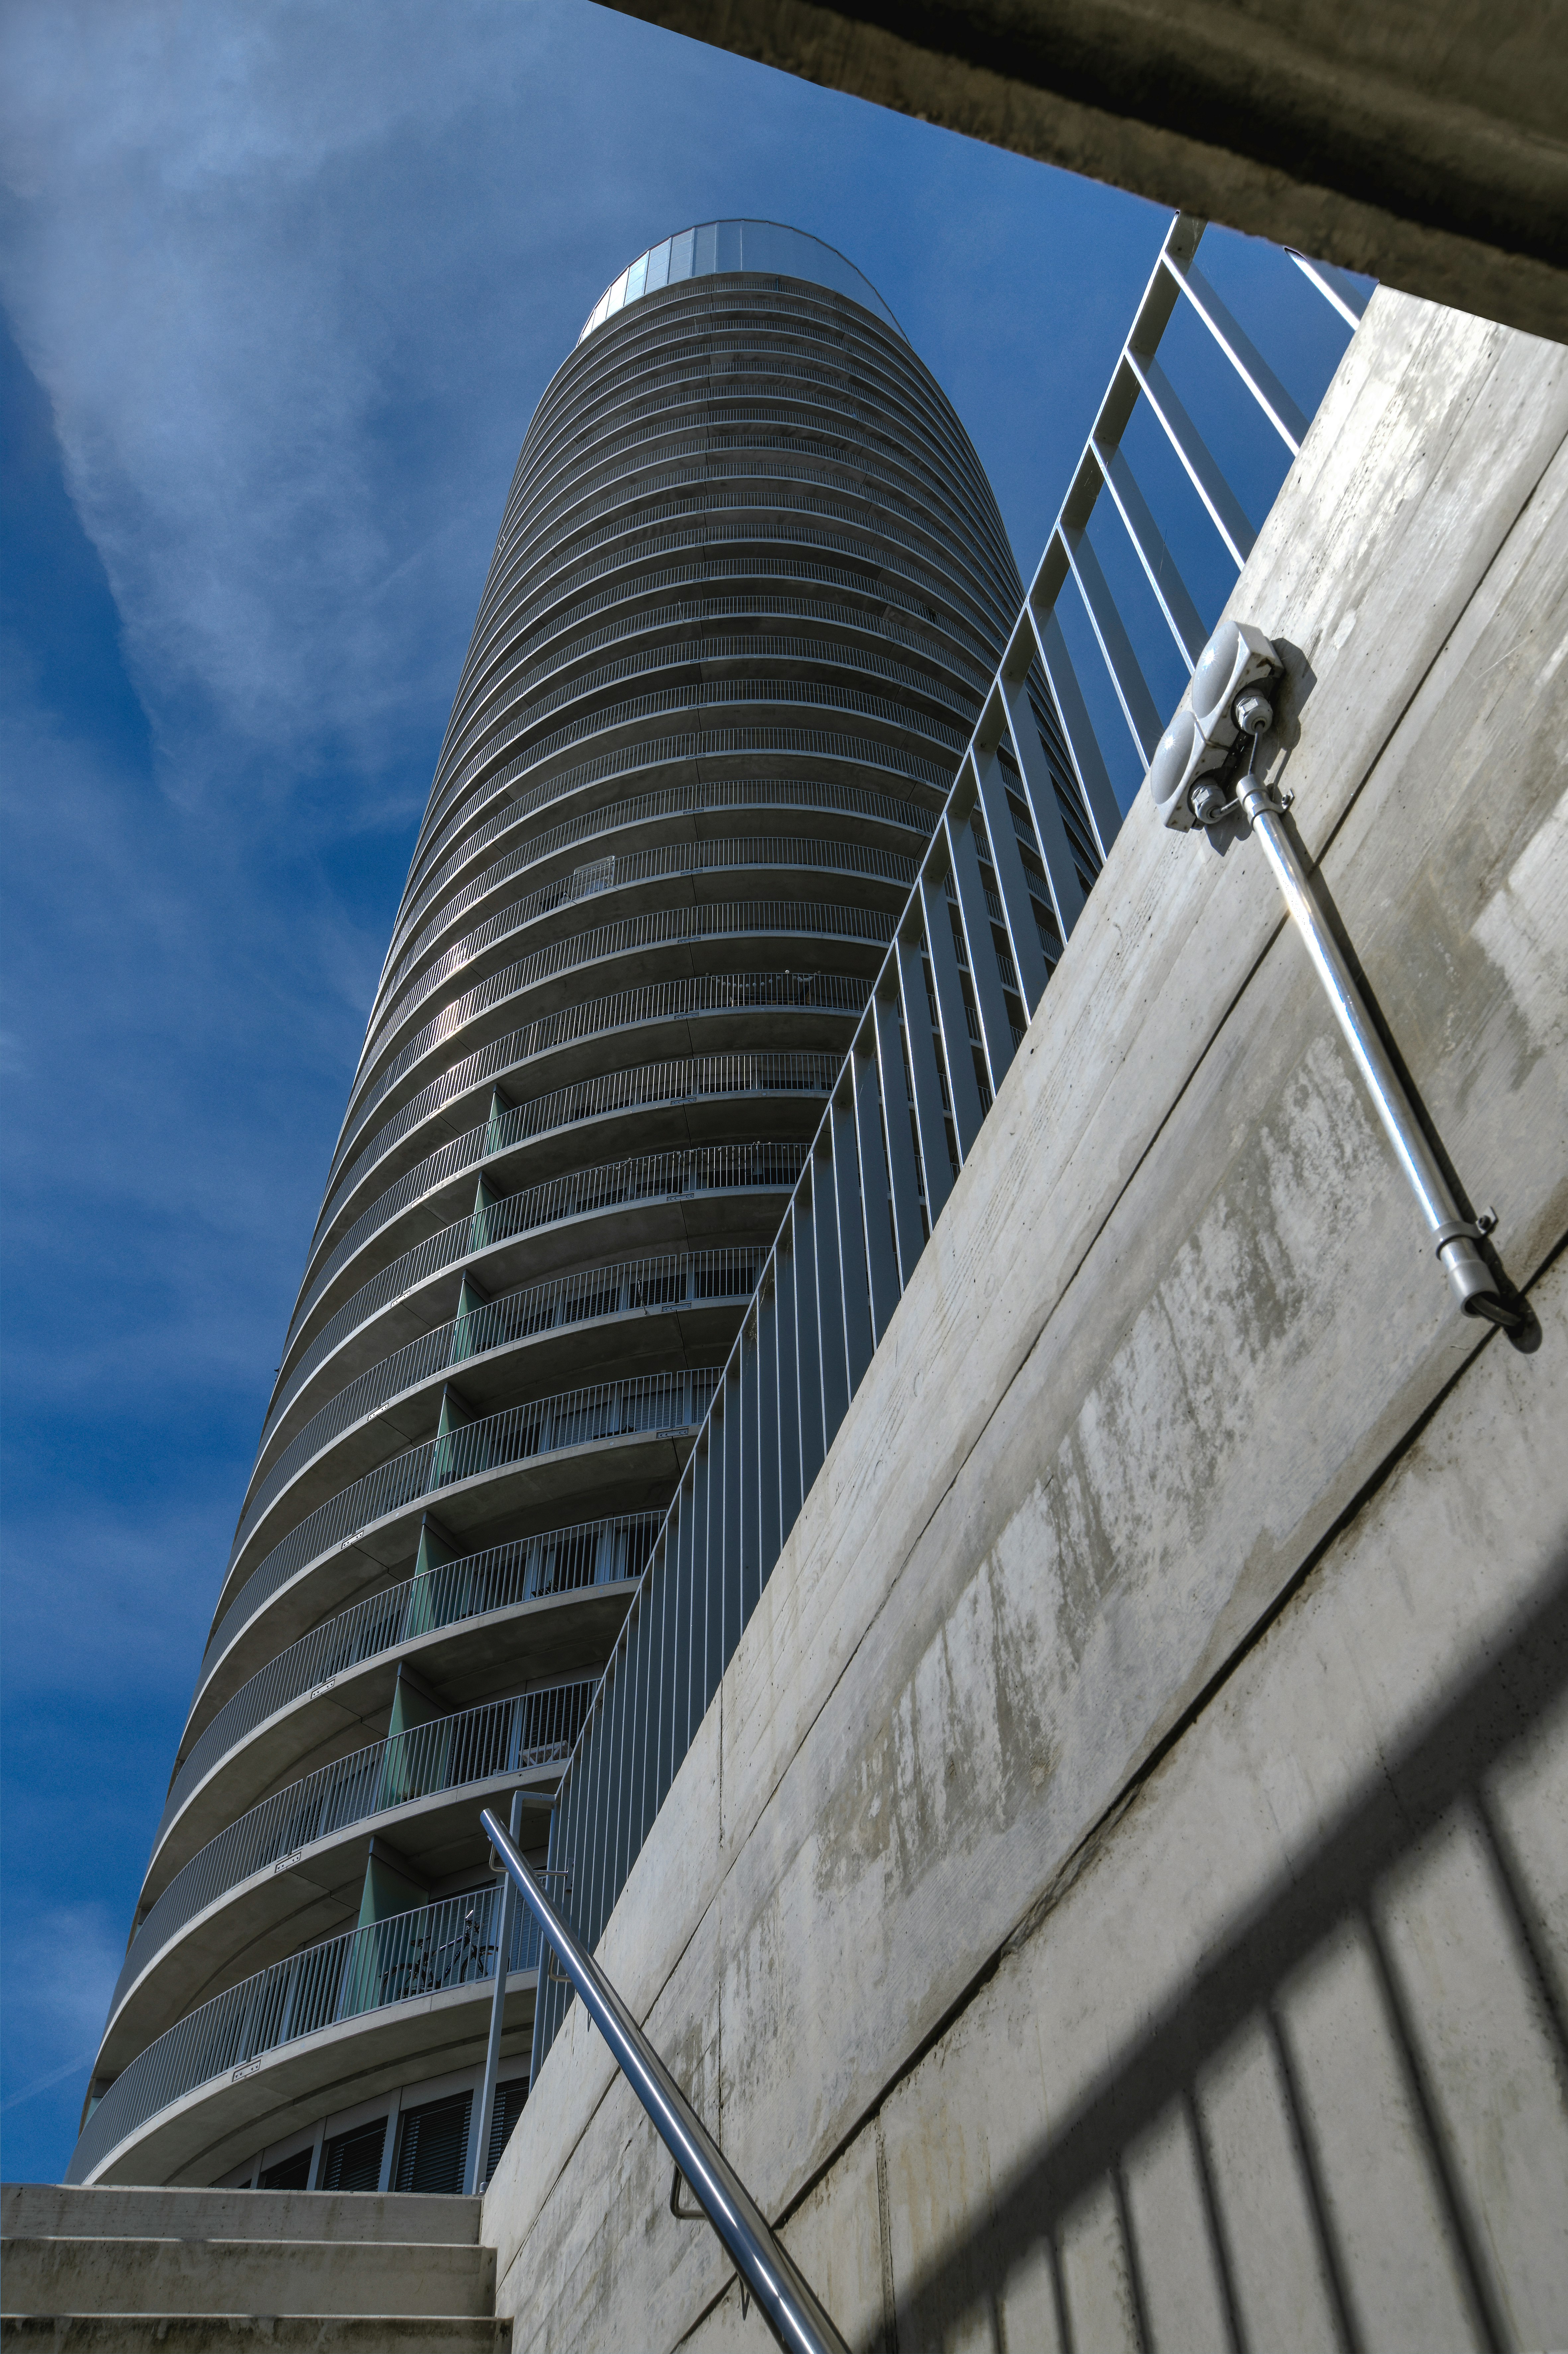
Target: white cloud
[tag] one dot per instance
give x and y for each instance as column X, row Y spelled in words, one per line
column 227, row 270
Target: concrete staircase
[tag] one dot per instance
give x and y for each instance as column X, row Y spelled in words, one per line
column 187, row 2271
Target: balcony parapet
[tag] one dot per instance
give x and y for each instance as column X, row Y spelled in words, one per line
column 407, row 1958
column 611, row 1185
column 673, row 1282
column 475, row 1586
column 647, row 1404
column 502, row 1736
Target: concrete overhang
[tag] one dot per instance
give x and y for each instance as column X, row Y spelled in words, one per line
column 1425, row 142
column 223, row 2121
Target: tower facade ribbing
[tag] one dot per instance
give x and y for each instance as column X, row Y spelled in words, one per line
column 749, row 590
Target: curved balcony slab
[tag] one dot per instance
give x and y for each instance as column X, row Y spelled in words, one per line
column 565, row 1226
column 644, row 1315
column 556, row 657
column 546, row 1638
column 933, row 562
column 554, row 1564
column 632, row 882
column 712, row 1014
column 633, row 1470
column 698, row 1101
column 311, row 1892
column 383, row 1996
column 679, row 815
column 626, row 953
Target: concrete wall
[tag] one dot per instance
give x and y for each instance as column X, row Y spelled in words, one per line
column 1420, row 141
column 1120, row 1893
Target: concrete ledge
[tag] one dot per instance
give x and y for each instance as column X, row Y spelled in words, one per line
column 212, row 2333
column 63, row 2210
column 185, row 2275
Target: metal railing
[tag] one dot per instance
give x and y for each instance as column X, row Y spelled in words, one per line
column 627, row 870
column 424, row 891
column 638, row 1406
column 501, row 1577
column 968, row 964
column 674, row 1280
column 610, row 1185
column 405, row 1958
column 576, row 1025
column 645, row 1086
column 788, row 2303
column 502, row 1736
column 526, row 711
column 663, row 928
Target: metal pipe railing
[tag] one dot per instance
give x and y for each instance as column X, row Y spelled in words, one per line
column 787, row 2303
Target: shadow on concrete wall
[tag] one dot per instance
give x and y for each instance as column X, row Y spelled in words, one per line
column 1350, row 2131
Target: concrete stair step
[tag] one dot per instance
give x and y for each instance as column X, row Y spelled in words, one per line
column 52, row 2211
column 73, row 2273
column 235, row 2333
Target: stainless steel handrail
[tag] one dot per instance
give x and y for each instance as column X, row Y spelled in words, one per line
column 787, row 2304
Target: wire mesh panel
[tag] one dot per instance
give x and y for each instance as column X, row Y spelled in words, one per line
column 1028, row 821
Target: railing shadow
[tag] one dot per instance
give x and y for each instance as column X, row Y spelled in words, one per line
column 1335, row 1901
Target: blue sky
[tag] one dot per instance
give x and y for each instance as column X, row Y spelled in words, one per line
column 282, row 285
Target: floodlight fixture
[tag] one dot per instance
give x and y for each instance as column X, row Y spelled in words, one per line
column 1197, row 777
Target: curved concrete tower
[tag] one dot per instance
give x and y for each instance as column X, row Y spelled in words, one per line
column 750, row 585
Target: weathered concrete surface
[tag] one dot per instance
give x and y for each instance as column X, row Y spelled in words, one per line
column 1422, row 141
column 1175, row 1473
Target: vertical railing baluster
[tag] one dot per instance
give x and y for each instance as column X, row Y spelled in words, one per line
column 1012, row 885
column 903, row 1165
column 708, row 1565
column 854, row 1291
column 1207, row 477
column 1160, row 569
column 830, row 1295
column 963, row 1089
column 1132, row 693
column 679, row 1737
column 985, row 972
column 770, row 1526
column 1094, row 777
column 808, row 1340
column 748, row 1472
column 930, row 1118
column 791, row 1492
column 732, row 1514
column 881, row 1261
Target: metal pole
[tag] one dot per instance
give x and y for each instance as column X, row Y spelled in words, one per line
column 479, row 2140
column 789, row 2306
column 1454, row 1236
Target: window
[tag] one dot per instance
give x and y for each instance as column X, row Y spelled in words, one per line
column 432, row 2145
column 509, row 2100
column 289, row 2173
column 352, row 2161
